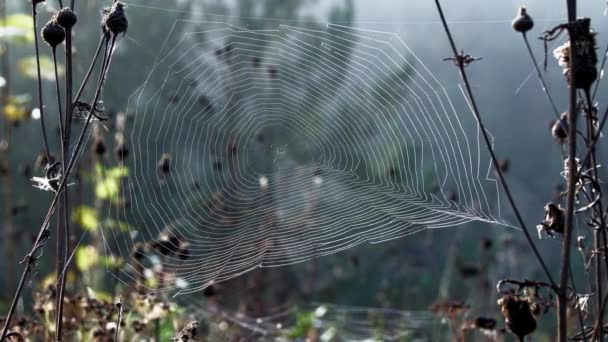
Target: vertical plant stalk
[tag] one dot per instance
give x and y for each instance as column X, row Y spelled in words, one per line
column 119, row 320
column 60, row 258
column 562, row 298
column 459, row 61
column 40, row 100
column 43, row 233
column 65, row 204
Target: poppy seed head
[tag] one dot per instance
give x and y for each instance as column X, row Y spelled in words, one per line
column 53, row 34
column 66, row 18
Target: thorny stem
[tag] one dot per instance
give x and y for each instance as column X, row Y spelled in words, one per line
column 43, row 232
column 463, row 75
column 40, row 103
column 540, row 76
column 562, row 298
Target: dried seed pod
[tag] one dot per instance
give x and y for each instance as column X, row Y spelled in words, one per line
column 485, row 323
column 99, row 146
column 66, row 18
column 559, row 129
column 518, row 315
column 114, row 19
column 554, row 218
column 586, row 56
column 164, row 164
column 53, row 33
column 210, row 291
column 122, row 152
column 139, row 251
column 523, row 22
column 503, row 165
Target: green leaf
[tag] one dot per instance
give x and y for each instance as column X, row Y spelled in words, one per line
column 107, row 189
column 118, row 172
column 86, row 217
column 17, row 28
column 27, row 67
column 119, row 225
column 304, row 323
column 86, row 257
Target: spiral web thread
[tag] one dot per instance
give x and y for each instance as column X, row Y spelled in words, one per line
column 290, row 144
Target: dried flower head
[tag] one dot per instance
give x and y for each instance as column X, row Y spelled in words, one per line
column 114, row 19
column 523, row 22
column 518, row 315
column 586, row 56
column 554, row 220
column 53, row 34
column 188, row 333
column 66, row 18
column 559, row 129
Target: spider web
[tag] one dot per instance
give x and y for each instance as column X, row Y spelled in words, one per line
column 329, row 321
column 266, row 148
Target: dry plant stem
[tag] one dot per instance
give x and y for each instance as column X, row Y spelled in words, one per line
column 42, row 234
column 595, row 139
column 65, row 204
column 599, row 78
column 62, row 216
column 89, row 72
column 599, row 233
column 117, row 330
column 40, row 103
column 579, row 313
column 540, row 76
column 482, row 128
column 562, row 298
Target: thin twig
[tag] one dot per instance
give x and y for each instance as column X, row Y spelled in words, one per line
column 463, row 75
column 540, row 76
column 89, row 72
column 598, row 232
